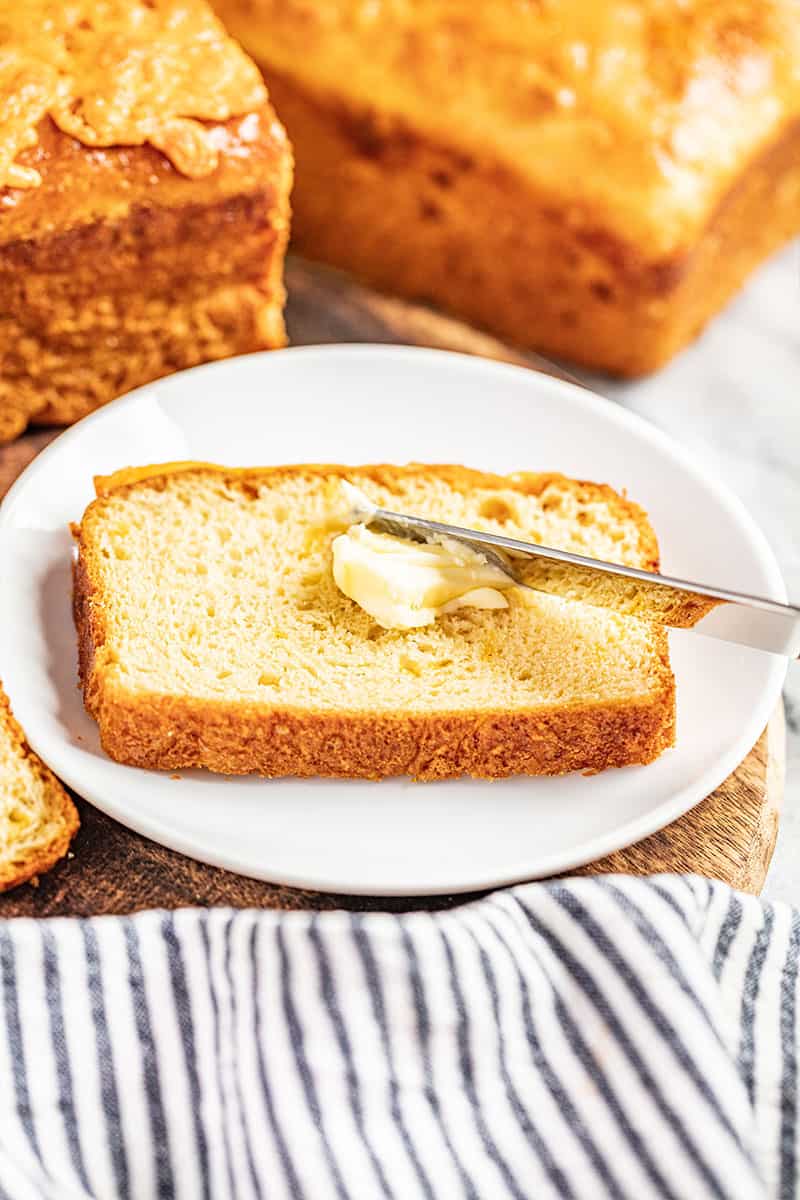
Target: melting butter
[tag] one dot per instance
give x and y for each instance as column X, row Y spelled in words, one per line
column 405, row 585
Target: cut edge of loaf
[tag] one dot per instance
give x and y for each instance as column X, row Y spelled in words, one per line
column 155, row 730
column 64, row 814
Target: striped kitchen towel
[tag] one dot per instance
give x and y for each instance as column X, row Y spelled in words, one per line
column 587, row 1038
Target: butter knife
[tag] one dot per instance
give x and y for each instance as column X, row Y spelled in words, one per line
column 678, row 603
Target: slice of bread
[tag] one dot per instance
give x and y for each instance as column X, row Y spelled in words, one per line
column 37, row 817
column 212, row 634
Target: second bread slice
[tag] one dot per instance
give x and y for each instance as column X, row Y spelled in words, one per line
column 37, row 818
column 213, row 635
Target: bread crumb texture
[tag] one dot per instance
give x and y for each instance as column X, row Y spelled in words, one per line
column 212, row 633
column 37, row 817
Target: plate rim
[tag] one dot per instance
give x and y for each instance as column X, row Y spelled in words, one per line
column 586, row 851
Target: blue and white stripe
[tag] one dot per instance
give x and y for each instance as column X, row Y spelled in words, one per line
column 607, row 1037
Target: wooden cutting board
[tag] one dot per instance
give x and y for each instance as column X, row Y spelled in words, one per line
column 730, row 836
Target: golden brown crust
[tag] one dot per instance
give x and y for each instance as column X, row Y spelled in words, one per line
column 82, row 188
column 411, row 214
column 629, row 117
column 172, row 733
column 65, row 814
column 117, row 269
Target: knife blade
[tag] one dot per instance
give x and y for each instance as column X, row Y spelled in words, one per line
column 678, row 603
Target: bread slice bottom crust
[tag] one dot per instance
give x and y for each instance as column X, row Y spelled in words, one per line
column 61, row 820
column 172, row 733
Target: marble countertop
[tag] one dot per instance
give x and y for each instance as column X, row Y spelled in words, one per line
column 733, row 399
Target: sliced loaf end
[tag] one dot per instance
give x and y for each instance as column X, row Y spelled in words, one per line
column 37, row 818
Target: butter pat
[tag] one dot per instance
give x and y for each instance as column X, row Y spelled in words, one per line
column 404, row 584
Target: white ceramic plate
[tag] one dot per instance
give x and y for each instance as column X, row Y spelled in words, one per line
column 375, row 404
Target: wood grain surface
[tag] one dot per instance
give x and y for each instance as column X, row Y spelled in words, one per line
column 730, row 836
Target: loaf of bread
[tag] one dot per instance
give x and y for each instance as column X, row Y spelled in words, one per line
column 144, row 184
column 592, row 179
column 212, row 634
column 37, row 818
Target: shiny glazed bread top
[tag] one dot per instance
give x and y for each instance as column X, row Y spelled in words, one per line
column 638, row 114
column 119, row 72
